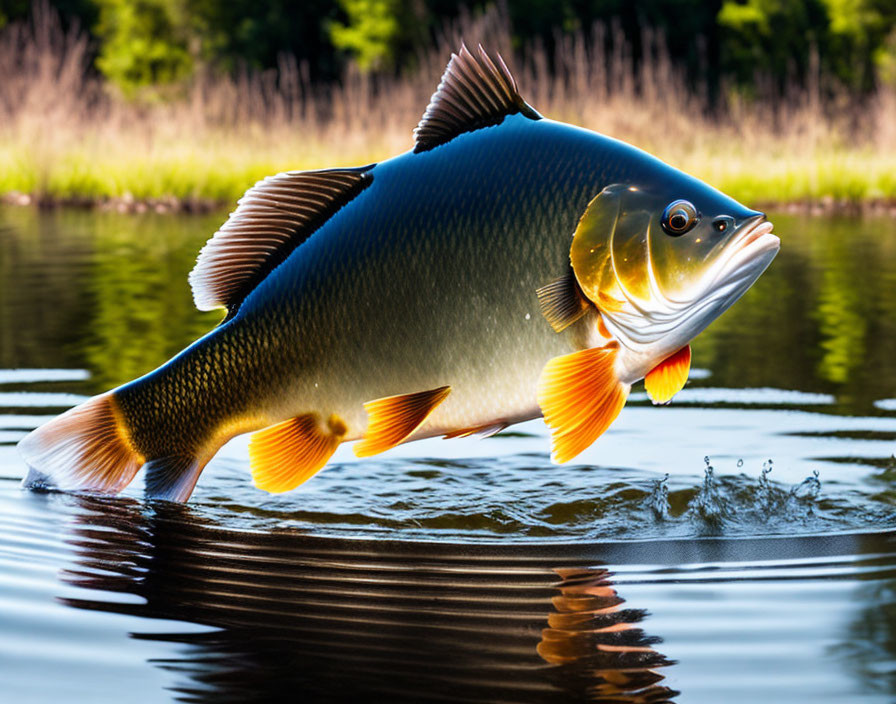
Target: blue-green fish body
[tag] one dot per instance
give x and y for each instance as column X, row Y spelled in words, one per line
column 508, row 267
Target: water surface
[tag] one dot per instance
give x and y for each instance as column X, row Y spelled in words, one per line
column 737, row 545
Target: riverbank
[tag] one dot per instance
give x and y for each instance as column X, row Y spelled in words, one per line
column 66, row 138
column 842, row 184
column 171, row 205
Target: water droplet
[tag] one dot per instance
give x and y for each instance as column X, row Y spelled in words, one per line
column 658, row 501
column 740, row 463
column 767, row 496
column 804, row 494
column 709, row 504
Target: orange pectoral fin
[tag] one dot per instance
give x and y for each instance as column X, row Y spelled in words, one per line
column 668, row 377
column 285, row 455
column 580, row 396
column 393, row 419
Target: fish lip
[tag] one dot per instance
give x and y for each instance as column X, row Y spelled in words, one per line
column 756, row 231
column 749, row 249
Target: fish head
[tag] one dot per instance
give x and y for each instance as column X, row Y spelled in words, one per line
column 661, row 261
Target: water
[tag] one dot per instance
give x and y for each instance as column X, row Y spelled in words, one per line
column 737, row 545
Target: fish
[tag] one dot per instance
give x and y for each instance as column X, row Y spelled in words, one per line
column 506, row 267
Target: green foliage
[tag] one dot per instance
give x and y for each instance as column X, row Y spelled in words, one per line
column 370, row 32
column 778, row 37
column 378, row 32
column 143, row 42
column 770, row 37
column 160, row 41
column 257, row 34
column 11, row 10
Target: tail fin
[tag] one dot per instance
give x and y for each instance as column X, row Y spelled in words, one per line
column 87, row 448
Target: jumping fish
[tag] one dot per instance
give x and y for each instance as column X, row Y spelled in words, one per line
column 507, row 267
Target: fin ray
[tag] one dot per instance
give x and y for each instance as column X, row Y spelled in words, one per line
column 562, row 302
column 172, row 478
column 580, row 396
column 480, row 431
column 474, row 92
column 668, row 377
column 394, row 418
column 271, row 220
column 85, row 448
column 289, row 453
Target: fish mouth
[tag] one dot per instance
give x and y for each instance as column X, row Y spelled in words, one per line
column 740, row 264
column 752, row 250
column 750, row 253
column 756, row 234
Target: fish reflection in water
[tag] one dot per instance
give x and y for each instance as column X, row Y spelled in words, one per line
column 318, row 618
column 597, row 641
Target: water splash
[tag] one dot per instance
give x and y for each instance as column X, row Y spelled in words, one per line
column 514, row 497
column 709, row 505
column 804, row 496
column 765, row 493
column 658, row 501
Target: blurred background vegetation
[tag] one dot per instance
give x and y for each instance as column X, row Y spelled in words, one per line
column 147, row 43
column 136, row 99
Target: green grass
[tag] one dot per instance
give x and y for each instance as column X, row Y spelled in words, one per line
column 851, row 177
column 210, row 169
column 65, row 136
column 218, row 171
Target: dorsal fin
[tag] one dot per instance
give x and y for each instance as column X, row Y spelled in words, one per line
column 474, row 92
column 273, row 218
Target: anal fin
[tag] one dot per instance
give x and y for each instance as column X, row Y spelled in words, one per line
column 668, row 377
column 580, row 396
column 172, row 478
column 394, row 418
column 287, row 454
column 481, row 431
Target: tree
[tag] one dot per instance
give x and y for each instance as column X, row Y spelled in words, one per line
column 143, row 42
column 381, row 34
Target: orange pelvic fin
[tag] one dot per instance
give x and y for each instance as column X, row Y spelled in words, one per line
column 669, row 376
column 562, row 302
column 482, row 431
column 394, row 418
column 580, row 396
column 285, row 455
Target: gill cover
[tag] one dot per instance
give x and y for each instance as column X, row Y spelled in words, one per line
column 620, row 252
column 591, row 253
column 622, row 257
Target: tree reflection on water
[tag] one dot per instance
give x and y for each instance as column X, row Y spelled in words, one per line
column 109, row 293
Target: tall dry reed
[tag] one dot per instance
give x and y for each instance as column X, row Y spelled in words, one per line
column 65, row 135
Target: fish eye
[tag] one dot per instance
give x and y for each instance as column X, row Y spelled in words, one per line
column 679, row 217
